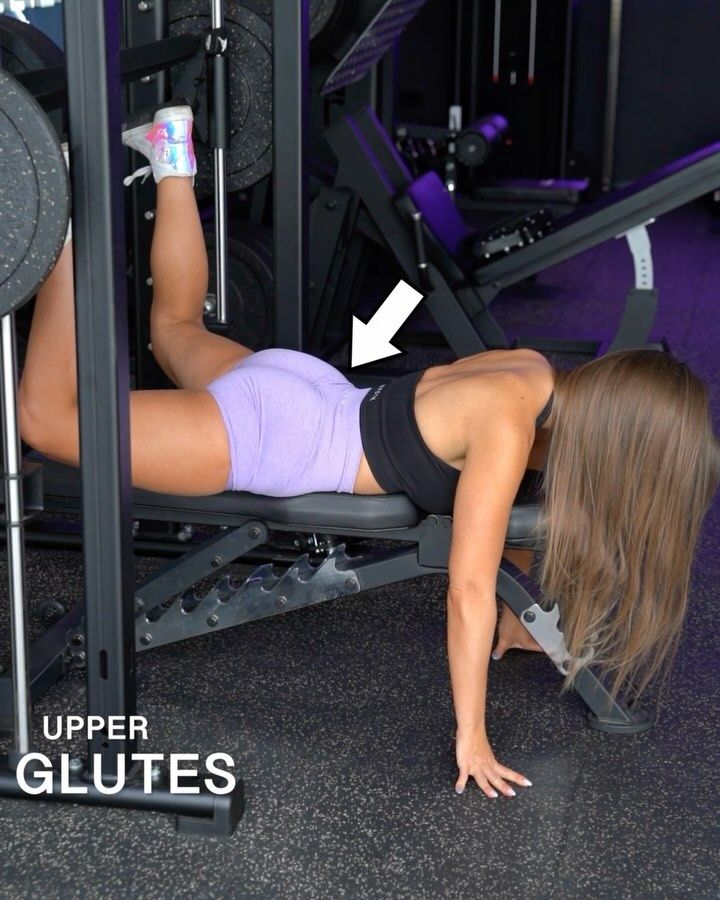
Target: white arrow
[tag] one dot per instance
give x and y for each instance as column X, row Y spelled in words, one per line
column 372, row 341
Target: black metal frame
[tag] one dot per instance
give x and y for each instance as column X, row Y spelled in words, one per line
column 290, row 175
column 93, row 87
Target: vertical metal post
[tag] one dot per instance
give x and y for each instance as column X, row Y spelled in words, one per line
column 567, row 74
column 219, row 119
column 15, row 538
column 384, row 75
column 457, row 79
column 144, row 23
column 92, row 53
column 290, row 180
column 474, row 60
column 532, row 42
column 497, row 36
column 613, row 82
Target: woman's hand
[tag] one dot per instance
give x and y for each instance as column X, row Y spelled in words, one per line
column 512, row 635
column 475, row 759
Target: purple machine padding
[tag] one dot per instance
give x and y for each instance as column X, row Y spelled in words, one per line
column 441, row 216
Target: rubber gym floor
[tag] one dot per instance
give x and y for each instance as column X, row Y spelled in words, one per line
column 339, row 717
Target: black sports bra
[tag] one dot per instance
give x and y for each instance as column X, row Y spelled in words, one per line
column 399, row 458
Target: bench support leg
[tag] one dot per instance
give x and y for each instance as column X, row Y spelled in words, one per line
column 523, row 596
column 265, row 593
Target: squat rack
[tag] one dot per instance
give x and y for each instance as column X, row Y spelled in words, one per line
column 92, row 45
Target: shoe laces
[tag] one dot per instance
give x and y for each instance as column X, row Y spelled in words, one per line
column 142, row 172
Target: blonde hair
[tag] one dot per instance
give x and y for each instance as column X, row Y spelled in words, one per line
column 632, row 468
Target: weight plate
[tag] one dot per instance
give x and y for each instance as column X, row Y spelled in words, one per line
column 257, row 236
column 249, row 156
column 35, row 198
column 250, row 289
column 330, row 20
column 325, row 15
column 24, row 47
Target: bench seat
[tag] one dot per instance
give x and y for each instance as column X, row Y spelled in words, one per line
column 315, row 512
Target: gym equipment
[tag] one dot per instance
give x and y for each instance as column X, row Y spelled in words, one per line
column 515, row 58
column 512, row 234
column 249, row 76
column 475, row 143
column 24, row 48
column 248, row 24
column 249, row 285
column 326, row 521
column 416, row 219
column 105, row 645
column 35, row 203
column 372, row 43
column 459, row 153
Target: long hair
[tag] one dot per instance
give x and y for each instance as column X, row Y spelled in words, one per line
column 632, row 467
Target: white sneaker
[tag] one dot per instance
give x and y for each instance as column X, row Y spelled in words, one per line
column 166, row 143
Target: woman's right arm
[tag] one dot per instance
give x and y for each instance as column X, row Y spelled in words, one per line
column 493, row 469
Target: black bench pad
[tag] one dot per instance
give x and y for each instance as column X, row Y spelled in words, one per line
column 61, row 485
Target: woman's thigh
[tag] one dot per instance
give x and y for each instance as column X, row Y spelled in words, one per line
column 178, row 441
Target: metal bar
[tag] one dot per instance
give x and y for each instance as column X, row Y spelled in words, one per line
column 200, row 813
column 524, row 597
column 92, row 44
column 385, row 77
column 496, row 47
column 290, row 177
column 220, row 132
column 49, row 85
column 640, row 247
column 49, row 661
column 214, row 553
column 611, row 98
column 567, row 74
column 457, row 83
column 396, row 565
column 474, row 57
column 647, row 198
column 15, row 540
column 533, row 41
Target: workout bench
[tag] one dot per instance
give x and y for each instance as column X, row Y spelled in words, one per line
column 248, row 521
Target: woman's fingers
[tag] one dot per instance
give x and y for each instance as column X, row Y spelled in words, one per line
column 515, row 777
column 462, row 779
column 491, row 779
column 497, row 782
column 484, row 785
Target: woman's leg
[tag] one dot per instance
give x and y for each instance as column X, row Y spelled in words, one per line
column 189, row 355
column 178, row 439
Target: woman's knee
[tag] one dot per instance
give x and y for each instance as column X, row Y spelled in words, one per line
column 50, row 431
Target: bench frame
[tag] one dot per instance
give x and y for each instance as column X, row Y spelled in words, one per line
column 167, row 609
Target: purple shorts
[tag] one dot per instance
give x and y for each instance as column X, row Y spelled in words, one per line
column 293, row 424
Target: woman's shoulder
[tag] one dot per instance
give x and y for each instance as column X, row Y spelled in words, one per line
column 456, row 404
column 496, row 379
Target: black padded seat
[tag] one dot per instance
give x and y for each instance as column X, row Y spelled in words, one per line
column 61, row 486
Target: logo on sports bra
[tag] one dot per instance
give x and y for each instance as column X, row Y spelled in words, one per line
column 376, row 393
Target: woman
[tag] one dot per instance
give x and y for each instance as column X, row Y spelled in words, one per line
column 631, row 461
